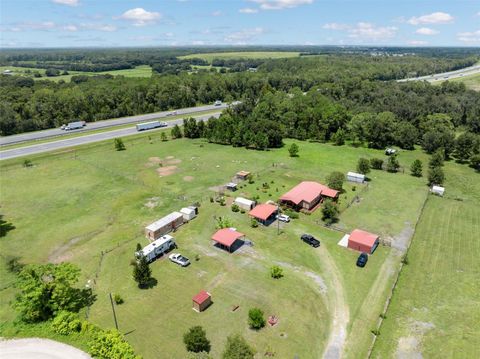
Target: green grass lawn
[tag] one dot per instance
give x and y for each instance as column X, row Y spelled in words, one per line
column 472, row 81
column 435, row 311
column 241, row 55
column 138, row 71
column 72, row 207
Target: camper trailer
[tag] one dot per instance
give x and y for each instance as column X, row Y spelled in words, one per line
column 157, row 248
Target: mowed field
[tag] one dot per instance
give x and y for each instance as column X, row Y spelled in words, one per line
column 74, row 205
column 241, row 55
column 138, row 71
column 435, row 312
column 472, row 81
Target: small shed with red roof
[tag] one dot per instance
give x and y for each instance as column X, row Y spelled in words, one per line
column 226, row 238
column 363, row 241
column 264, row 213
column 307, row 195
column 201, row 301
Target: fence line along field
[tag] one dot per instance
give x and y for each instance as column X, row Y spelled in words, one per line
column 95, row 199
column 435, row 311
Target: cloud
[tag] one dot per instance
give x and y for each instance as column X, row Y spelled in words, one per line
column 51, row 26
column 368, row 31
column 140, row 16
column 280, row 4
column 98, row 27
column 335, row 26
column 469, row 37
column 433, row 18
column 248, row 10
column 244, row 36
column 417, row 42
column 217, row 13
column 70, row 28
column 426, row 31
column 66, row 2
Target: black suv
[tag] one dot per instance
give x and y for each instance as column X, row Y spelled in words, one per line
column 362, row 260
column 309, row 239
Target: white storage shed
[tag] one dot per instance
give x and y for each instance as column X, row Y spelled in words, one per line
column 188, row 213
column 244, row 203
column 439, row 191
column 355, row 177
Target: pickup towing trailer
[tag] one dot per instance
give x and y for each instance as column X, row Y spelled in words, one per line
column 149, row 125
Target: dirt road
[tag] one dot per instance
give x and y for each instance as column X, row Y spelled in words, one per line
column 35, row 348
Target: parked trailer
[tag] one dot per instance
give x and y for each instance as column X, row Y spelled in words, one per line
column 157, row 248
column 75, row 125
column 149, row 125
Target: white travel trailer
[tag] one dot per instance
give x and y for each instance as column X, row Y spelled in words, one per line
column 157, row 248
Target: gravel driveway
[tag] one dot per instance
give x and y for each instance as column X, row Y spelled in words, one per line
column 35, row 348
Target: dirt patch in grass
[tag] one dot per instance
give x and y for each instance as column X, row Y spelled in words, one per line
column 188, row 178
column 409, row 347
column 173, row 162
column 166, row 170
column 152, row 202
column 62, row 253
column 154, row 160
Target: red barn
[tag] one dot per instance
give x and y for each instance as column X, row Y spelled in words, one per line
column 363, row 241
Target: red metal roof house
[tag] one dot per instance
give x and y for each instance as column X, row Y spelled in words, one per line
column 264, row 213
column 307, row 195
column 226, row 237
column 363, row 241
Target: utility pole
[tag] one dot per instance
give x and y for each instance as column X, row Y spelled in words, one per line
column 113, row 310
column 278, row 221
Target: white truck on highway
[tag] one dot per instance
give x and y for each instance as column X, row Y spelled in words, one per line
column 74, row 125
column 157, row 248
column 149, row 125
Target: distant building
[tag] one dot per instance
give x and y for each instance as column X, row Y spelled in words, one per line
column 244, row 203
column 242, row 175
column 164, row 226
column 355, row 177
column 439, row 191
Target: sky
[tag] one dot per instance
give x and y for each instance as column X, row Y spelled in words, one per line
column 141, row 23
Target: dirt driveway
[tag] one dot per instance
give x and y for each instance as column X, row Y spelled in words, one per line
column 35, row 348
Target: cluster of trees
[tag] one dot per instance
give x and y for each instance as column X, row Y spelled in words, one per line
column 197, row 343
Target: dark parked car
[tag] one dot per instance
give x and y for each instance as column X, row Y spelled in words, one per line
column 362, row 260
column 309, row 239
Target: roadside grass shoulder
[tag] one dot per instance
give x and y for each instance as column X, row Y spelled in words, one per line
column 241, row 55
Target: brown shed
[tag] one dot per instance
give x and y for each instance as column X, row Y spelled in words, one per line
column 163, row 226
column 201, row 301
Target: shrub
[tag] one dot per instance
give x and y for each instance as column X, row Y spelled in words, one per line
column 392, row 164
column 27, row 163
column 110, row 344
column 436, row 176
column 291, row 213
column 14, row 265
column 254, row 223
column 293, row 150
column 416, row 168
column 329, row 212
column 475, row 162
column 163, row 137
column 66, row 323
column 211, row 199
column 235, row 208
column 363, row 166
column 276, row 272
column 437, row 158
column 223, row 222
column 117, row 298
column 335, row 180
column 255, row 319
column 242, row 211
column 237, row 348
column 119, row 145
column 376, row 163
column 196, row 340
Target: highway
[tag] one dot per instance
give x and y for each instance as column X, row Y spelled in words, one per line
column 81, row 140
column 467, row 71
column 54, row 132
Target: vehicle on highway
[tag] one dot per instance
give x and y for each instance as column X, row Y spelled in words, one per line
column 74, row 125
column 179, row 259
column 283, row 218
column 173, row 113
column 310, row 240
column 218, row 103
column 362, row 260
column 149, row 125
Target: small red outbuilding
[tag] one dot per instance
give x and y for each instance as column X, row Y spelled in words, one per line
column 201, row 301
column 363, row 241
column 264, row 213
column 226, row 237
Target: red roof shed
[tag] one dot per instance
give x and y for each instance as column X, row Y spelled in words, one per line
column 363, row 241
column 201, row 301
column 263, row 211
column 226, row 237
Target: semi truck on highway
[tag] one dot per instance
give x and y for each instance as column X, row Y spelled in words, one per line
column 149, row 125
column 74, row 125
